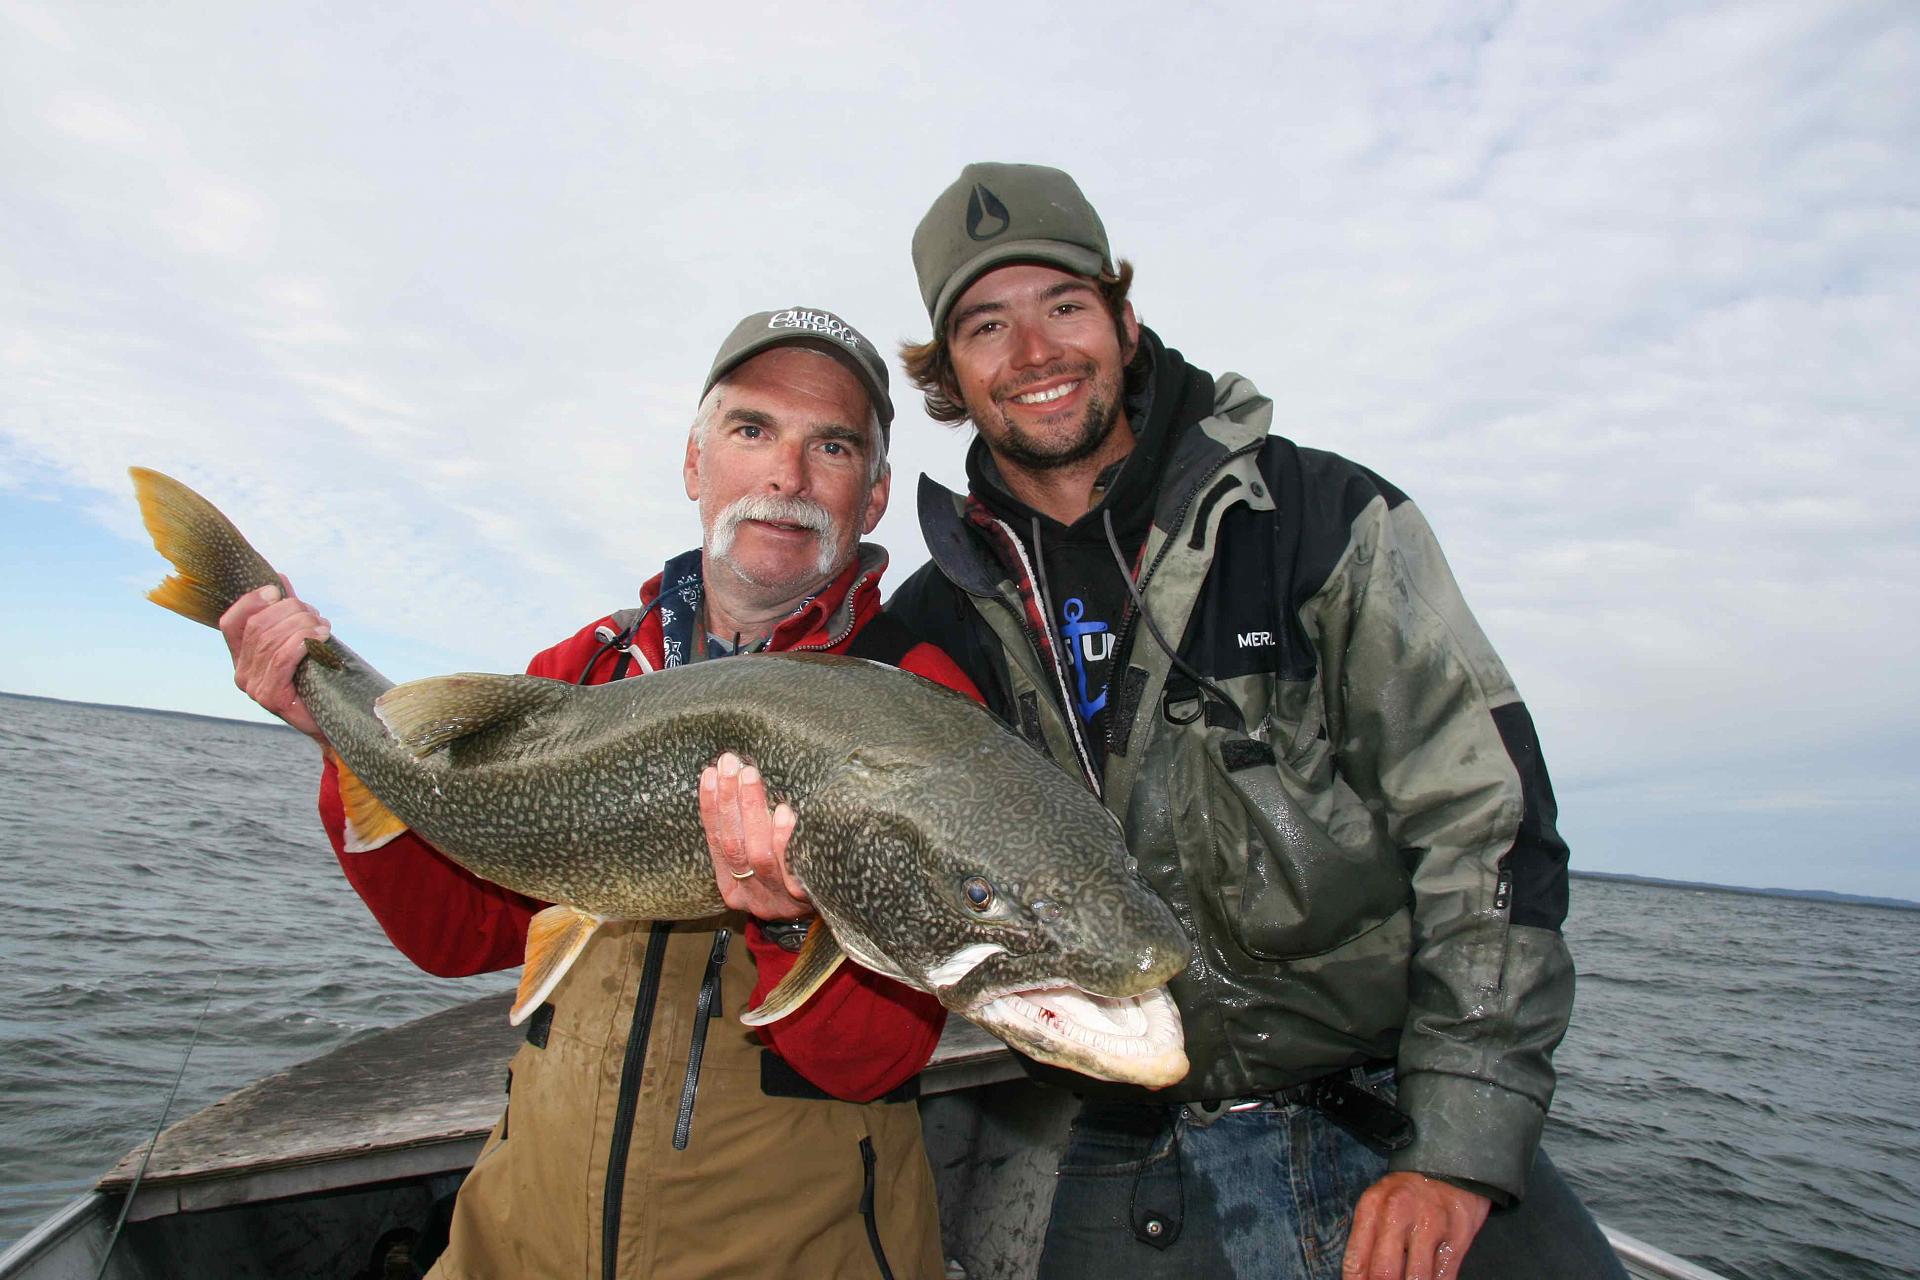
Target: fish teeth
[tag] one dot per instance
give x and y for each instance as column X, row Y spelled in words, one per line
column 1142, row 1026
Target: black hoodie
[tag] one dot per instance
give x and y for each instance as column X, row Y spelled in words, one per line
column 1085, row 597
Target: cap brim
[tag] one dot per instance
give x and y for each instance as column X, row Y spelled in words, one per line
column 1078, row 259
column 876, row 394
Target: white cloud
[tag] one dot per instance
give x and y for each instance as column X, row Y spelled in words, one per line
column 424, row 300
column 89, row 118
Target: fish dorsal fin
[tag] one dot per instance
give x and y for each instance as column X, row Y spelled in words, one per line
column 555, row 939
column 427, row 715
column 819, row 957
column 370, row 823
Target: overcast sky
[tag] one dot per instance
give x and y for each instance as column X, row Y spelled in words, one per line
column 1626, row 296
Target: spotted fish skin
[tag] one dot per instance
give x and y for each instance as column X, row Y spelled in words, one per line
column 939, row 848
column 904, row 793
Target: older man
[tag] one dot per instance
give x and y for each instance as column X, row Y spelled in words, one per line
column 1255, row 654
column 648, row 1133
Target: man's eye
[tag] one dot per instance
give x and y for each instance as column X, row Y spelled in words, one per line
column 835, row 447
column 749, row 431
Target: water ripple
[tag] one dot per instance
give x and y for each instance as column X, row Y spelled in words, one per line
column 1737, row 1086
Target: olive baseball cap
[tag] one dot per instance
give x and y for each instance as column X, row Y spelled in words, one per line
column 814, row 328
column 999, row 213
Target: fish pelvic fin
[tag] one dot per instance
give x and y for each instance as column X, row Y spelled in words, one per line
column 555, row 939
column 370, row 824
column 214, row 565
column 426, row 715
column 820, row 955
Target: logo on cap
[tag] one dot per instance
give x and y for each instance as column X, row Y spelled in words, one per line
column 986, row 216
column 820, row 322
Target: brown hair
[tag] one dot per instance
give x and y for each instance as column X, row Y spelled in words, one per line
column 930, row 365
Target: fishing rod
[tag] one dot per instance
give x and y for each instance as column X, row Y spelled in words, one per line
column 141, row 1172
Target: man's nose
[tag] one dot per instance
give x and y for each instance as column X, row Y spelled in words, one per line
column 787, row 469
column 1034, row 345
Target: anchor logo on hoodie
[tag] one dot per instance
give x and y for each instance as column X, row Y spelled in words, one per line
column 1088, row 644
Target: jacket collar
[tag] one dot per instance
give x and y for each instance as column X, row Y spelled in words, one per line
column 824, row 620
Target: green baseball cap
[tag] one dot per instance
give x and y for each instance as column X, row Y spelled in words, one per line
column 814, row 328
column 999, row 213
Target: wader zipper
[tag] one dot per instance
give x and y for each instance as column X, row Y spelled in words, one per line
column 705, row 1009
column 867, row 1210
column 632, row 1068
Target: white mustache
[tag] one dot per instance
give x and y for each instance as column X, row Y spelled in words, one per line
column 776, row 508
column 779, row 509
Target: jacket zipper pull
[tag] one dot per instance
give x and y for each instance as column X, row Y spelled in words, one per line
column 705, row 1009
column 1503, row 889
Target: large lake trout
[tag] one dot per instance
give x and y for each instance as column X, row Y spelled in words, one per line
column 938, row 848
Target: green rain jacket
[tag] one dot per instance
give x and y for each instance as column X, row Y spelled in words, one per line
column 1360, row 839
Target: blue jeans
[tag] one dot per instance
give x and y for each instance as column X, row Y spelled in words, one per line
column 1145, row 1193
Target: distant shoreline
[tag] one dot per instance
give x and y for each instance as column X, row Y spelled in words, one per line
column 1805, row 895
column 152, row 711
column 1808, row 895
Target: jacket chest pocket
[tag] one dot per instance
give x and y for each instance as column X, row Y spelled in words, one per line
column 1288, row 881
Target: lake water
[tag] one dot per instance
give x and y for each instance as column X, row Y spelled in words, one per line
column 1741, row 1084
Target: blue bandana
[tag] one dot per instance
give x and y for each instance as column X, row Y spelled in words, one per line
column 680, row 592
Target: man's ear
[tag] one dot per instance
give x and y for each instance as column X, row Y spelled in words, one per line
column 877, row 502
column 690, row 468
column 1131, row 328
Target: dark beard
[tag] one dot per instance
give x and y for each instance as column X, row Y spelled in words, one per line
column 1096, row 425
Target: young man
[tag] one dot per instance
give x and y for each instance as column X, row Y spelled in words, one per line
column 647, row 1132
column 1255, row 654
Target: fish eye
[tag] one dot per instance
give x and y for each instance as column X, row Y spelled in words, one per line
column 979, row 893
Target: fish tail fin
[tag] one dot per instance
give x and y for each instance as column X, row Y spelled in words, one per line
column 214, row 565
column 370, row 824
column 819, row 956
column 555, row 939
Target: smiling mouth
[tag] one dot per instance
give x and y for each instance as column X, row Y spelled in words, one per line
column 1051, row 394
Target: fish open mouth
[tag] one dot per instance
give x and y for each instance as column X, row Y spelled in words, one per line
column 1132, row 1039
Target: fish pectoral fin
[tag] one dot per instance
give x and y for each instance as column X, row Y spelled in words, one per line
column 426, row 715
column 820, row 955
column 370, row 824
column 555, row 939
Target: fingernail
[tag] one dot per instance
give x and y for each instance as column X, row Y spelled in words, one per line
column 270, row 594
column 729, row 764
column 322, row 631
column 749, row 776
